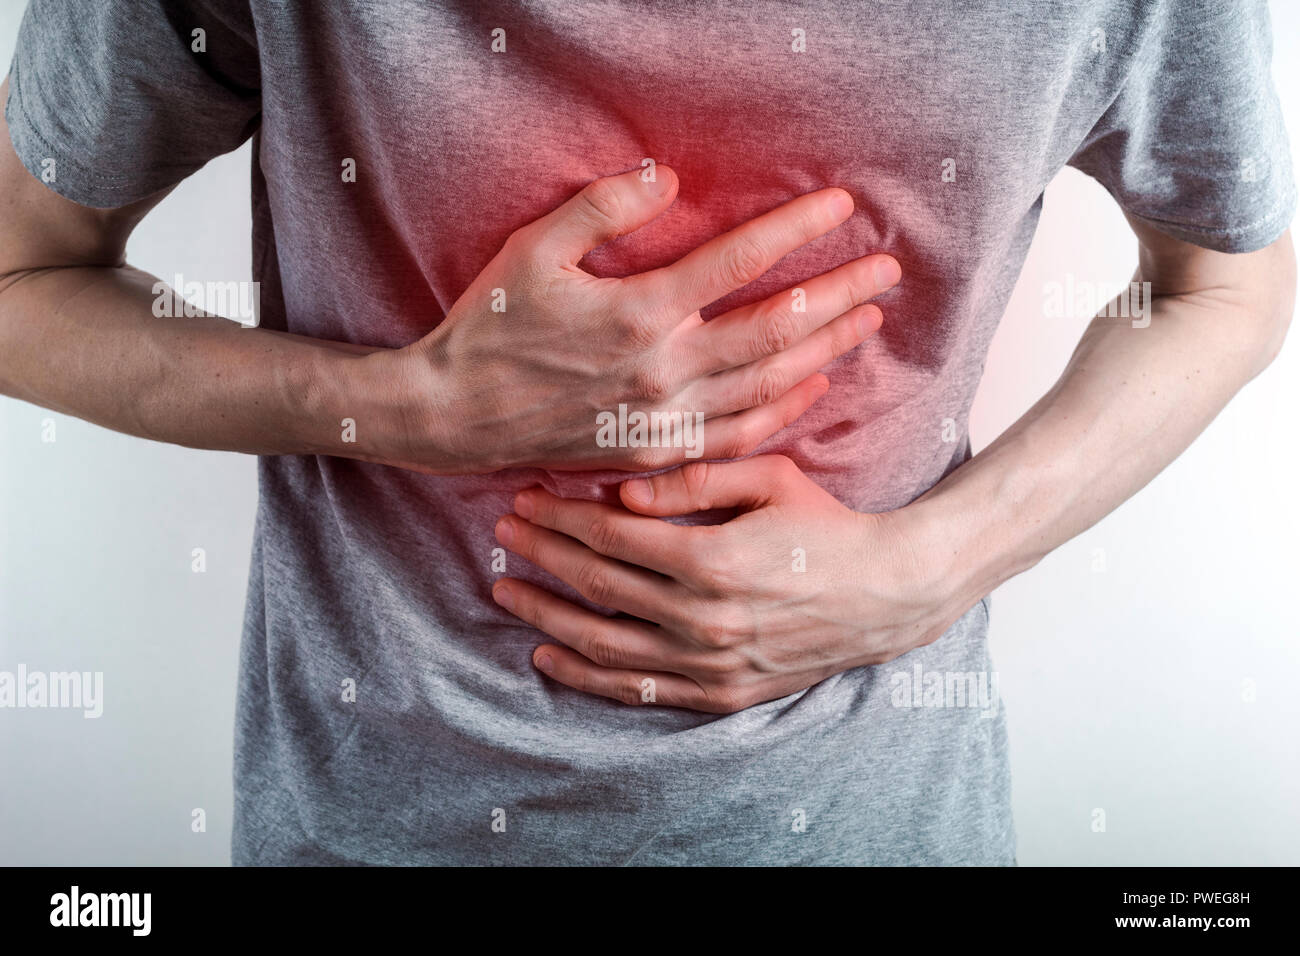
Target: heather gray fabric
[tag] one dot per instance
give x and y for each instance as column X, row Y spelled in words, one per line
column 380, row 576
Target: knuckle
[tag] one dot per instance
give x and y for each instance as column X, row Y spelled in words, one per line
column 525, row 544
column 523, row 246
column 718, row 582
column 840, row 336
column 809, row 223
column 857, row 292
column 637, row 330
column 769, row 385
column 599, row 650
column 726, row 627
column 715, row 632
column 856, row 287
column 695, row 478
column 652, row 382
column 539, row 616
column 742, row 261
column 602, row 204
column 594, row 582
column 629, row 691
column 741, row 442
column 602, row 534
column 779, row 330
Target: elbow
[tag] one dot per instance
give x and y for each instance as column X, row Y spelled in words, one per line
column 1276, row 305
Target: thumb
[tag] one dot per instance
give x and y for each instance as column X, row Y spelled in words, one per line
column 704, row 485
column 603, row 210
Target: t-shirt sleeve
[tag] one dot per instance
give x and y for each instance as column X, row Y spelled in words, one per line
column 1194, row 142
column 110, row 102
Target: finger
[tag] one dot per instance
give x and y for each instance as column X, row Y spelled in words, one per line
column 599, row 579
column 603, row 210
column 730, row 436
column 727, row 436
column 741, row 433
column 780, row 321
column 740, row 256
column 759, row 382
column 704, row 485
column 613, row 532
column 633, row 687
column 605, row 641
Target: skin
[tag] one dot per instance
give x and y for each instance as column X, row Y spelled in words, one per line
column 716, row 619
column 713, row 615
column 596, row 342
column 78, row 335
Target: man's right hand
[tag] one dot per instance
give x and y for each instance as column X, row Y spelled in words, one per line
column 485, row 390
column 522, row 387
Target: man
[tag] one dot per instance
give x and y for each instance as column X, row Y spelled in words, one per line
column 475, row 634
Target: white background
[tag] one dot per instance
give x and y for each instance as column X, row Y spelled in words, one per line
column 1126, row 689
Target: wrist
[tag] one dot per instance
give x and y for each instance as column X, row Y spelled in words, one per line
column 928, row 557
column 946, row 551
column 353, row 405
column 403, row 395
column 965, row 531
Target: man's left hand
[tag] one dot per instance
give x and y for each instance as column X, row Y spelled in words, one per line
column 793, row 589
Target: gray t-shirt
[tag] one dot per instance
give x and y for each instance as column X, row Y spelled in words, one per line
column 944, row 119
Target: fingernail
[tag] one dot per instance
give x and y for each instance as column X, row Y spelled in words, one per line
column 503, row 597
column 888, row 273
column 663, row 182
column 868, row 322
column 505, row 531
column 639, row 489
column 545, row 663
column 524, row 506
column 841, row 203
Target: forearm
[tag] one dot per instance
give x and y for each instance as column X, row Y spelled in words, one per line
column 85, row 342
column 1129, row 402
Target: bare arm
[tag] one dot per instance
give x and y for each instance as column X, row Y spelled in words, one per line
column 484, row 390
column 78, row 335
column 733, row 627
column 1129, row 402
